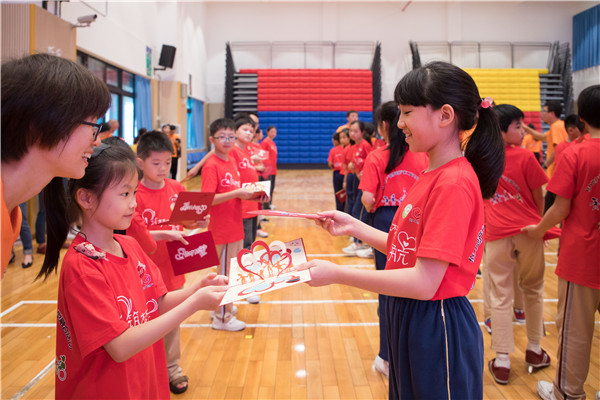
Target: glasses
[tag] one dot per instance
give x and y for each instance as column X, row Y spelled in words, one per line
column 97, row 128
column 225, row 138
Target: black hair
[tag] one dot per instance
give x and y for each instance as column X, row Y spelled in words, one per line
column 361, row 126
column 346, row 131
column 271, row 127
column 369, row 131
column 221, row 123
column 588, row 104
column 244, row 121
column 108, row 164
column 507, row 113
column 153, row 141
column 141, row 131
column 555, row 107
column 336, row 136
column 438, row 83
column 388, row 112
column 351, row 112
column 44, row 99
column 574, row 121
column 173, row 128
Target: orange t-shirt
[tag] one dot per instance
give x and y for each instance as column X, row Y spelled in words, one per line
column 11, row 227
column 174, row 138
column 556, row 134
column 529, row 143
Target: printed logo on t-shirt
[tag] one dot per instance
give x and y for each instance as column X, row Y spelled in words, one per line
column 406, row 210
column 65, row 328
column 134, row 317
column 415, row 215
column 392, row 200
column 402, row 247
column 245, row 164
column 61, row 367
column 595, row 204
column 145, row 277
column 229, row 181
column 498, row 198
column 477, row 244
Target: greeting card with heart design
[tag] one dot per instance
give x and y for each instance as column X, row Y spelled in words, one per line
column 199, row 253
column 190, row 207
column 262, row 188
column 264, row 268
column 277, row 213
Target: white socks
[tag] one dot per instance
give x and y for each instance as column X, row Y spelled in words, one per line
column 536, row 348
column 502, row 360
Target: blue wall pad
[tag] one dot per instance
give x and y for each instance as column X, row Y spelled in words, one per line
column 305, row 136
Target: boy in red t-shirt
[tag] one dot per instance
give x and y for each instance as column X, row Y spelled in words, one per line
column 270, row 172
column 220, row 174
column 577, row 186
column 518, row 199
column 155, row 198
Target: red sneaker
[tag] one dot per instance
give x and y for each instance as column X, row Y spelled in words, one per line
column 537, row 361
column 500, row 374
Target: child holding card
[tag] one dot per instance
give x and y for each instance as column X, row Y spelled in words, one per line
column 220, row 175
column 155, row 198
column 244, row 129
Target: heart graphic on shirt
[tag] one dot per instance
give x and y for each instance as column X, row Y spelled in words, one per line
column 244, row 164
column 406, row 242
column 268, row 262
column 228, row 180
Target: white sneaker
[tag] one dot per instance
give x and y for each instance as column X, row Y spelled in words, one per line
column 234, row 311
column 365, row 253
column 545, row 390
column 382, row 366
column 232, row 325
column 272, row 207
column 253, row 299
column 598, row 395
column 351, row 250
column 262, row 234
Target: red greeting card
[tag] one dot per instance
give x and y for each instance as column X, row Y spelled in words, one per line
column 341, row 195
column 199, row 254
column 190, row 207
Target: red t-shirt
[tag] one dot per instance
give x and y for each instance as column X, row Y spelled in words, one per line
column 97, row 301
column 271, row 164
column 348, row 153
column 512, row 206
column 390, row 189
column 559, row 149
column 578, row 179
column 336, row 157
column 155, row 206
column 247, row 174
column 379, row 143
column 222, row 176
column 358, row 157
column 441, row 217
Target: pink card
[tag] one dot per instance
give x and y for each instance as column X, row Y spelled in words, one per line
column 260, row 188
column 190, row 207
column 199, row 254
column 276, row 213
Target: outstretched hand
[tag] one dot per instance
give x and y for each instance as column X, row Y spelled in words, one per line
column 212, row 279
column 336, row 223
column 209, row 297
column 322, row 272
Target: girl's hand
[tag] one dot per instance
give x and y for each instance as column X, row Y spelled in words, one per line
column 170, row 236
column 322, row 272
column 202, row 224
column 212, row 279
column 337, row 223
column 244, row 194
column 209, row 297
column 532, row 231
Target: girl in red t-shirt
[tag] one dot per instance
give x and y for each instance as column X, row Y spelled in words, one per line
column 336, row 163
column 113, row 306
column 435, row 243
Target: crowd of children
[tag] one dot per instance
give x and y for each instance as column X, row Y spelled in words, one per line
column 430, row 206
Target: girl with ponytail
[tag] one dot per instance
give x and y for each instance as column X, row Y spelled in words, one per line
column 435, row 243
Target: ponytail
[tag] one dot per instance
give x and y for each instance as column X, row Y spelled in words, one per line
column 388, row 112
column 485, row 151
column 57, row 223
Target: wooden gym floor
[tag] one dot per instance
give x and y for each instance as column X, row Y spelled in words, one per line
column 301, row 342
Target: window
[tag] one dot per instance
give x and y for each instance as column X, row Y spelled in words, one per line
column 122, row 91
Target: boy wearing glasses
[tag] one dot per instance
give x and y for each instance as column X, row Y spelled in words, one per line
column 220, row 175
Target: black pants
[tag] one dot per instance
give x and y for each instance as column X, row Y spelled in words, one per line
column 174, row 162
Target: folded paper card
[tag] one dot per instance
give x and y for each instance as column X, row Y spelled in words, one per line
column 277, row 213
column 199, row 254
column 260, row 189
column 265, row 268
column 341, row 195
column 190, row 207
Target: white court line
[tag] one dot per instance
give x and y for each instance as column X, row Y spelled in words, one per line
column 329, row 255
column 35, row 380
column 22, row 302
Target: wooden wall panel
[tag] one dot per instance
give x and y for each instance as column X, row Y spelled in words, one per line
column 15, row 31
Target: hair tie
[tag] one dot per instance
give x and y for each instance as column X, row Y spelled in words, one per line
column 486, row 103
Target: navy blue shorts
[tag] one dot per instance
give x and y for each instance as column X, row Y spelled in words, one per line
column 436, row 349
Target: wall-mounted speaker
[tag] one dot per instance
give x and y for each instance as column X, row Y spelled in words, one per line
column 167, row 56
